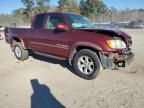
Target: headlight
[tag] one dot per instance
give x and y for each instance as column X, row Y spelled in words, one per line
column 116, row 44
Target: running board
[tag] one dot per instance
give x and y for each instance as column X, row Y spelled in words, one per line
column 50, row 56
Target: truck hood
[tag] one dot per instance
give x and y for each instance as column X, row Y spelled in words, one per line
column 111, row 33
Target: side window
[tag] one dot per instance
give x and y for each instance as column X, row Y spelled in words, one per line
column 39, row 21
column 52, row 21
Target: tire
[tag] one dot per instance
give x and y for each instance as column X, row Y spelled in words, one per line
column 19, row 52
column 86, row 64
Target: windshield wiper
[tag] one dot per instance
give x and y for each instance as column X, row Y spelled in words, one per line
column 82, row 27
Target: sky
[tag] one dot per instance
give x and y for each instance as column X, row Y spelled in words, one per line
column 7, row 6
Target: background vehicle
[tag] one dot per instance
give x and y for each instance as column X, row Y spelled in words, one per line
column 72, row 37
column 135, row 25
column 1, row 31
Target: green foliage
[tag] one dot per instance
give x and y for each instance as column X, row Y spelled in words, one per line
column 42, row 5
column 63, row 5
column 101, row 7
column 28, row 11
column 18, row 12
column 33, row 7
column 74, row 6
column 68, row 6
column 83, row 7
column 28, row 4
column 96, row 10
column 88, row 7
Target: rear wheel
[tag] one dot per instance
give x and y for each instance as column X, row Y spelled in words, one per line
column 19, row 52
column 86, row 64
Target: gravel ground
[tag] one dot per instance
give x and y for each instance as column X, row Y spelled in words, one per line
column 46, row 83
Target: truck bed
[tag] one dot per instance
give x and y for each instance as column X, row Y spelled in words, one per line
column 16, row 32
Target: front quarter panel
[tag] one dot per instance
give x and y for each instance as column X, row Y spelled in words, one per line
column 83, row 44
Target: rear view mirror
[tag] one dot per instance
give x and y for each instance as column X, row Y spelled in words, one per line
column 62, row 26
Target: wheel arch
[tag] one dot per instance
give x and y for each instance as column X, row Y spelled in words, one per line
column 83, row 45
column 17, row 39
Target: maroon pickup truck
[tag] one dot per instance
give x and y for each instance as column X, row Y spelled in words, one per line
column 72, row 37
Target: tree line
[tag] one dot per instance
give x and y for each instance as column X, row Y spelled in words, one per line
column 95, row 10
column 85, row 7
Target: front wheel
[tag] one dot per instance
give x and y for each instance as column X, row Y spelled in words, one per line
column 86, row 64
column 19, row 52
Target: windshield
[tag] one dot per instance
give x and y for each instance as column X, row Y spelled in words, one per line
column 78, row 21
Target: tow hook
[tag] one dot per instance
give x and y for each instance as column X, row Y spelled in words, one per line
column 121, row 64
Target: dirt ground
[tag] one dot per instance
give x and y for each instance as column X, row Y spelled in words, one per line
column 46, row 83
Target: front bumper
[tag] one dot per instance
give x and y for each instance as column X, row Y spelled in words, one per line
column 114, row 60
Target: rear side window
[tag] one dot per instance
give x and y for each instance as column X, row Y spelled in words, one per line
column 53, row 20
column 39, row 21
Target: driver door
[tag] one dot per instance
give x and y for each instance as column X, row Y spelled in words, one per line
column 57, row 41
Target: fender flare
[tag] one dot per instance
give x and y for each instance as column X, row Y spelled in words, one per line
column 21, row 41
column 23, row 44
column 83, row 44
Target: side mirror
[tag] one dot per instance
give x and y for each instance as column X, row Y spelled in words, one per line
column 61, row 26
